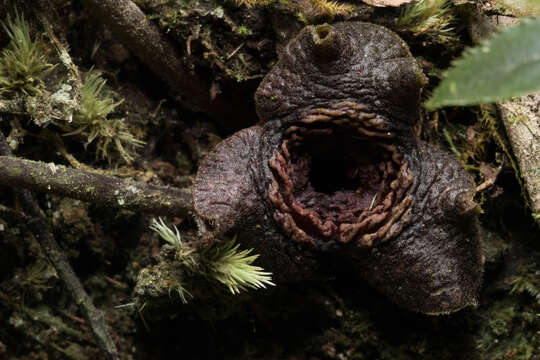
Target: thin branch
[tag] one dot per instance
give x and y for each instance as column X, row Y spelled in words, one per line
column 100, row 189
column 40, row 228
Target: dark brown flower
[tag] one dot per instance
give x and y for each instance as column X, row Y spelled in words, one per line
column 334, row 172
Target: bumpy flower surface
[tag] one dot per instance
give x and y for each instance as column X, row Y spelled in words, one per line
column 334, row 173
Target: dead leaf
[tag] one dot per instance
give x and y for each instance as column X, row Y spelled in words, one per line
column 489, row 173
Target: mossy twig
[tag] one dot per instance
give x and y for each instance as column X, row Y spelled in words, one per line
column 100, row 189
column 74, row 76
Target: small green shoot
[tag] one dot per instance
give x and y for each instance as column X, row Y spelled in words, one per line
column 23, row 63
column 95, row 104
column 243, row 30
column 223, row 262
column 165, row 232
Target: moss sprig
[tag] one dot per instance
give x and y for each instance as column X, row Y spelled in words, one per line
column 185, row 254
column 331, row 8
column 223, row 263
column 253, row 3
column 233, row 267
column 316, row 11
column 92, row 121
column 308, row 11
column 23, row 63
column 432, row 18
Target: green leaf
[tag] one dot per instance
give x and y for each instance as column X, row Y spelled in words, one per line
column 504, row 66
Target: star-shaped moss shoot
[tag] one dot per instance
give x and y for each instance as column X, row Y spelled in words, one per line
column 334, row 174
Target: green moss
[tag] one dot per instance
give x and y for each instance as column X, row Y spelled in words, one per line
column 218, row 36
column 93, row 121
column 516, row 119
column 223, row 263
column 501, row 324
column 508, row 327
column 253, row 3
column 431, row 18
column 243, row 30
column 23, row 63
column 302, row 18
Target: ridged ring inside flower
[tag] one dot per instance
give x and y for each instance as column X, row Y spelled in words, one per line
column 338, row 178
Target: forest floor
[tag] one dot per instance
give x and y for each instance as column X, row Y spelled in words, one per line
column 149, row 136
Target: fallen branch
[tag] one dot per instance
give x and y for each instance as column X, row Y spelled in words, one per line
column 521, row 119
column 39, row 227
column 99, row 189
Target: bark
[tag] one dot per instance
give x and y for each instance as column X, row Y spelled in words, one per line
column 521, row 118
column 101, row 189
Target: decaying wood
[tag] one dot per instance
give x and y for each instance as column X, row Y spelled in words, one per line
column 521, row 118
